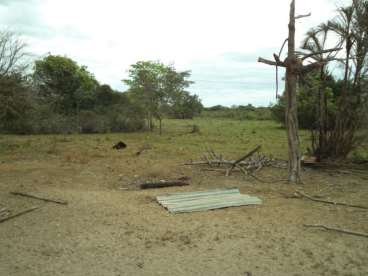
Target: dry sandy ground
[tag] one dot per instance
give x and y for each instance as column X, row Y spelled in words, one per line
column 108, row 231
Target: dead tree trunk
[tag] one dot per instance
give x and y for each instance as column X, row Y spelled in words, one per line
column 294, row 67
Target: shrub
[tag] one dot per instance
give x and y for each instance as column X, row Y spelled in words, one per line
column 91, row 122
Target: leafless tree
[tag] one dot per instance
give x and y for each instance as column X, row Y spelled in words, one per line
column 12, row 53
column 294, row 68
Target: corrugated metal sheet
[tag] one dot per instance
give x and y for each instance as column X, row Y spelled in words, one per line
column 206, row 200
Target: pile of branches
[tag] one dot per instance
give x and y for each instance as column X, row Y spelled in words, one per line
column 248, row 164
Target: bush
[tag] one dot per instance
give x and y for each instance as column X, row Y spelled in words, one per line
column 91, row 122
column 55, row 123
column 125, row 119
column 308, row 105
column 15, row 105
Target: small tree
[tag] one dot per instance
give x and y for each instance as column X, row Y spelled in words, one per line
column 145, row 86
column 157, row 88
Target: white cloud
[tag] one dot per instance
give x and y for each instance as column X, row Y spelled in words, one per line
column 109, row 35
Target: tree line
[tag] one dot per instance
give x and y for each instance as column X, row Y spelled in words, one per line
column 238, row 112
column 55, row 94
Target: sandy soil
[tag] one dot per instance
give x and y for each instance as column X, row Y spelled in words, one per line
column 105, row 230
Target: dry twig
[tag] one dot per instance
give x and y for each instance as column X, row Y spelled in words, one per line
column 329, row 202
column 349, row 232
column 18, row 214
column 58, row 201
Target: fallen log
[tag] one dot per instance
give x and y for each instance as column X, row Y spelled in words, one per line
column 215, row 162
column 329, row 202
column 157, row 185
column 349, row 232
column 19, row 214
column 57, row 201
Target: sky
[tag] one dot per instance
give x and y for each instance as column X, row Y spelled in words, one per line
column 218, row 40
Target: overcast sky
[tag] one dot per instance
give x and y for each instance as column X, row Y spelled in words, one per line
column 218, row 40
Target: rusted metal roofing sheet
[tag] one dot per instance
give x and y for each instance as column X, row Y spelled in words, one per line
column 205, row 200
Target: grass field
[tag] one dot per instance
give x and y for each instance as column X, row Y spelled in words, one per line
column 226, row 136
column 107, row 230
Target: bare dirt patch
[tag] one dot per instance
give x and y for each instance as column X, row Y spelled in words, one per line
column 108, row 231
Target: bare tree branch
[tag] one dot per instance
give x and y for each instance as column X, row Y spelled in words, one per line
column 277, row 68
column 270, row 62
column 302, row 16
column 278, row 61
column 12, row 53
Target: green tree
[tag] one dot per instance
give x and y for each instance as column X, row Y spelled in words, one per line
column 104, row 95
column 186, row 106
column 145, row 86
column 64, row 83
column 157, row 88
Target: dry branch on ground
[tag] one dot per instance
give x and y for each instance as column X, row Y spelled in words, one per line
column 303, row 194
column 57, row 201
column 18, row 214
column 162, row 184
column 349, row 232
column 247, row 164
